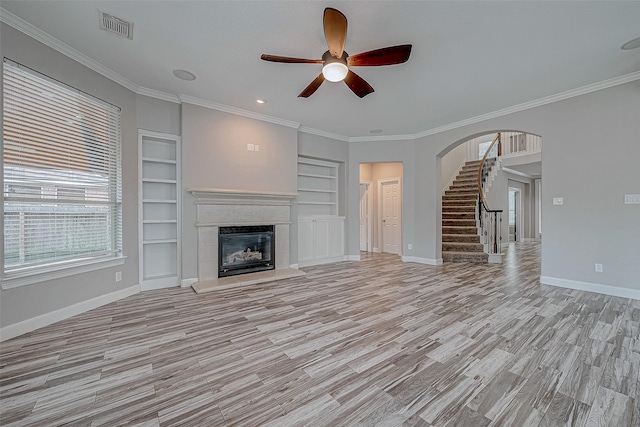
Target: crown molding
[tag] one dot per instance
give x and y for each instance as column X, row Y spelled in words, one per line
column 45, row 38
column 382, row 138
column 152, row 93
column 237, row 111
column 626, row 78
column 325, row 134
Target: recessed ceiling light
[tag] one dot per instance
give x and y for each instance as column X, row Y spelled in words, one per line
column 375, row 131
column 184, row 75
column 631, row 44
column 261, row 101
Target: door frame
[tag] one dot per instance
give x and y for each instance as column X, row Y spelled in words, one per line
column 519, row 234
column 369, row 218
column 381, row 183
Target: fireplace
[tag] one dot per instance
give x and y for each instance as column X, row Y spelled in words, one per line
column 245, row 249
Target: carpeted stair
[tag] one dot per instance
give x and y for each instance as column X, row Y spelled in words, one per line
column 460, row 234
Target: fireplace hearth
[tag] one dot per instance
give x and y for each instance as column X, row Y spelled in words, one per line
column 245, row 249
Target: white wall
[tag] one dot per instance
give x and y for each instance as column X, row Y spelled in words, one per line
column 39, row 299
column 377, row 172
column 215, row 155
column 451, row 164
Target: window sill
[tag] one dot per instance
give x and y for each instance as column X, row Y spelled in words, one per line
column 15, row 280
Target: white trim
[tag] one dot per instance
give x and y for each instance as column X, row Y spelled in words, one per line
column 16, row 329
column 294, row 266
column 419, row 260
column 152, row 93
column 237, row 111
column 591, row 287
column 406, row 137
column 58, row 272
column 325, row 261
column 376, row 250
column 312, row 131
column 352, row 257
column 185, row 283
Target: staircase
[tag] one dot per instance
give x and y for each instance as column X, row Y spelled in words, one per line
column 460, row 234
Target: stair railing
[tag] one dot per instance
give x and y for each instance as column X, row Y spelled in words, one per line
column 490, row 219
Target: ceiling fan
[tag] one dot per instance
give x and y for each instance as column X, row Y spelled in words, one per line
column 336, row 61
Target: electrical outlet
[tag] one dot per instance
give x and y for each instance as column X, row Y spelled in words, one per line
column 409, row 246
column 558, row 200
column 599, row 268
column 118, row 276
column 257, row 147
column 251, row 147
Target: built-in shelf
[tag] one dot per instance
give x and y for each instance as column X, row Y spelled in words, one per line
column 320, row 229
column 158, row 160
column 317, row 187
column 313, row 175
column 159, row 209
column 318, row 203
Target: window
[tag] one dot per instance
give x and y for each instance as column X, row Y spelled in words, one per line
column 62, row 175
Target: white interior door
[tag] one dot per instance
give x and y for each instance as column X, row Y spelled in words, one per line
column 391, row 217
column 364, row 217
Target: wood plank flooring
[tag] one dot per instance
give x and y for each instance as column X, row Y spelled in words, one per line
column 373, row 343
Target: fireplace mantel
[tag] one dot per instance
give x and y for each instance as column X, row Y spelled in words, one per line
column 219, row 207
column 221, row 196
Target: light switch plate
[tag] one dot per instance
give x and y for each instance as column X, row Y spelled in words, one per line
column 558, row 200
column 250, row 147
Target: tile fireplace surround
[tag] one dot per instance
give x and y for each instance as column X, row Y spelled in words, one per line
column 216, row 208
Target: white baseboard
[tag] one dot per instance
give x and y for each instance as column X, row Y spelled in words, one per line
column 591, row 287
column 419, row 260
column 322, row 261
column 352, row 257
column 16, row 329
column 185, row 283
column 294, row 266
column 376, row 250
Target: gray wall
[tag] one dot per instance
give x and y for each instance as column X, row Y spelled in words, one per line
column 590, row 157
column 158, row 115
column 381, row 152
column 215, row 155
column 25, row 302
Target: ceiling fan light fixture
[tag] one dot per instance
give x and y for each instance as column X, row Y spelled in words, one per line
column 335, row 71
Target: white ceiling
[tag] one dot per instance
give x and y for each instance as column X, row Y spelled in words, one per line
column 468, row 58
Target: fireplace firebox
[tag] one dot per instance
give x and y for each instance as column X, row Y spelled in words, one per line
column 246, row 249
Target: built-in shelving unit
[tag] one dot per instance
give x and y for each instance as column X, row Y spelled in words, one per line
column 320, row 229
column 317, row 187
column 159, row 209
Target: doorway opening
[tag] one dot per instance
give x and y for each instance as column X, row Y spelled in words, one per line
column 514, row 214
column 381, row 207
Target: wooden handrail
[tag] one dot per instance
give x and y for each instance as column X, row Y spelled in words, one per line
column 480, row 191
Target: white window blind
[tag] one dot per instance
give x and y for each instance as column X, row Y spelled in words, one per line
column 62, row 174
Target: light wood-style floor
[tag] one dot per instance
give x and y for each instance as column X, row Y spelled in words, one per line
column 372, row 343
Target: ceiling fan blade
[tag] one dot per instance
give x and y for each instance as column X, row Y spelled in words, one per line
column 357, row 84
column 313, row 86
column 385, row 56
column 288, row 60
column 335, row 31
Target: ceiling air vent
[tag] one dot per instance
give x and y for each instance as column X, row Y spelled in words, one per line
column 116, row 25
